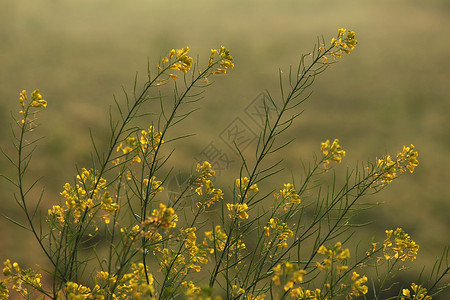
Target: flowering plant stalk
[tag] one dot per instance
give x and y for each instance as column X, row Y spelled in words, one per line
column 113, row 237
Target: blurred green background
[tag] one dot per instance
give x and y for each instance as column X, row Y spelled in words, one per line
column 393, row 90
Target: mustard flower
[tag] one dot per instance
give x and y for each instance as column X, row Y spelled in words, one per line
column 19, row 280
column 344, row 43
column 183, row 61
column 402, row 246
column 202, row 182
column 297, row 277
column 217, row 236
column 4, row 292
column 8, row 267
column 238, row 210
column 37, row 99
column 77, row 291
column 236, row 291
column 390, row 169
column 277, row 271
column 358, row 286
column 80, row 201
column 419, row 293
column 197, row 252
column 225, row 60
column 156, row 185
column 205, row 170
column 408, row 157
column 163, row 217
column 134, row 285
column 242, row 182
column 35, row 102
column 191, row 289
column 211, row 57
column 333, row 152
column 58, row 213
column 281, row 230
column 335, row 254
column 289, row 196
column 23, row 98
column 257, row 297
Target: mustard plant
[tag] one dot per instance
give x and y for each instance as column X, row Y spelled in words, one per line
column 203, row 243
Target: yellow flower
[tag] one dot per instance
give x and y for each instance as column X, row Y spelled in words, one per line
column 211, row 57
column 343, row 254
column 164, row 217
column 219, row 71
column 322, row 250
column 333, row 152
column 343, row 43
column 406, row 292
column 205, row 170
column 37, row 99
column 254, row 188
column 191, row 289
column 341, row 268
column 341, row 31
column 171, row 53
column 238, row 210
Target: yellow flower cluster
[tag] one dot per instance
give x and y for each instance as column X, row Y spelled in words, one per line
column 134, row 285
column 140, row 145
column 87, row 193
column 197, row 253
column 243, row 184
column 148, row 230
column 131, row 286
column 335, row 256
column 237, row 210
column 151, row 138
column 399, row 245
column 419, row 293
column 236, row 290
column 281, row 230
column 36, row 99
column 194, row 292
column 173, row 261
column 358, row 286
column 36, row 102
column 225, row 60
column 333, row 152
column 4, row 292
column 182, row 61
column 153, row 185
column 18, row 279
column 179, row 60
column 205, row 186
column 218, row 237
column 289, row 196
column 164, row 217
column 205, row 170
column 295, row 276
column 77, row 291
column 406, row 160
column 343, row 42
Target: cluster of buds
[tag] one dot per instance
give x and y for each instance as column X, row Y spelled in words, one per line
column 333, row 152
column 344, row 42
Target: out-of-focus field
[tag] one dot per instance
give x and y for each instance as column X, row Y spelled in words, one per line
column 393, row 90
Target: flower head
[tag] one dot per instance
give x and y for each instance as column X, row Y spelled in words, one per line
column 333, row 152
